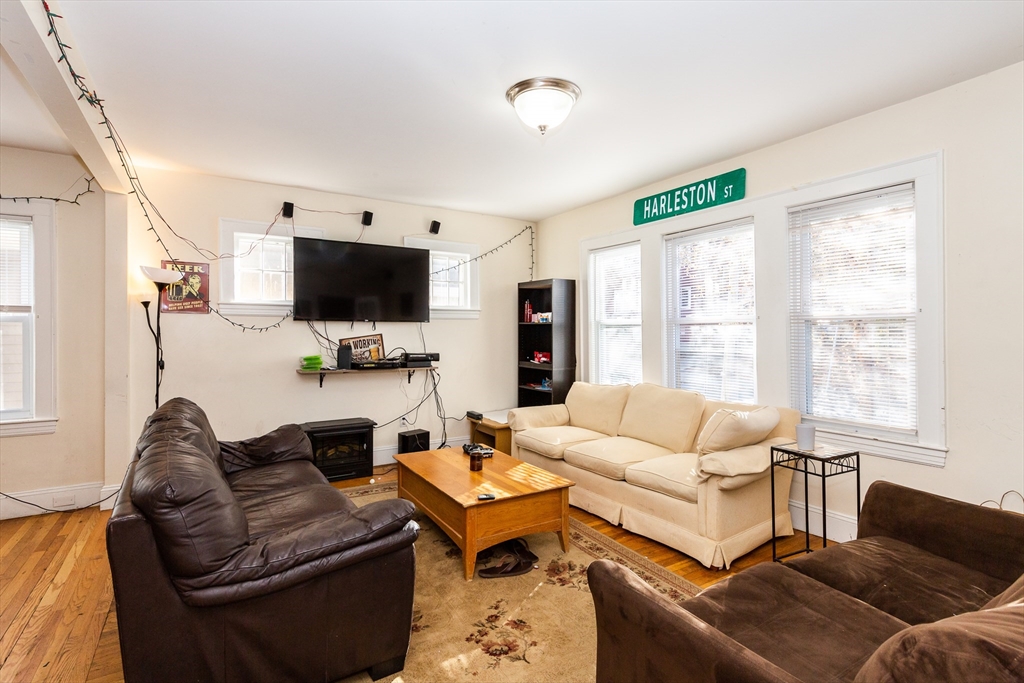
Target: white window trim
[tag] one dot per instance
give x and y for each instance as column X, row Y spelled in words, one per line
column 771, row 268
column 42, row 212
column 228, row 227
column 473, row 311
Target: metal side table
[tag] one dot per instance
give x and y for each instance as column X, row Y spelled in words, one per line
column 823, row 462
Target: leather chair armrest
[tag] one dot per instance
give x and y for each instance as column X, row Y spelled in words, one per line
column 641, row 636
column 538, row 416
column 287, row 442
column 298, row 554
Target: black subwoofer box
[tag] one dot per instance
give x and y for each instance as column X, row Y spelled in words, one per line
column 413, row 440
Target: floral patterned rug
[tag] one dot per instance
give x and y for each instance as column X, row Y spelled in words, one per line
column 535, row 627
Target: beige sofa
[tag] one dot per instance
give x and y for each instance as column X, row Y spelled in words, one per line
column 665, row 463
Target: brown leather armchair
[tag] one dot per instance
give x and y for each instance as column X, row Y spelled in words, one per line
column 237, row 561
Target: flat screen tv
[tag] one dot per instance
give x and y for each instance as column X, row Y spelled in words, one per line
column 352, row 281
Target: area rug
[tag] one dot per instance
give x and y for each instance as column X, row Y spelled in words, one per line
column 536, row 627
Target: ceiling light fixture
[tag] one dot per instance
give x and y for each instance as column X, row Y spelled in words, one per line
column 543, row 103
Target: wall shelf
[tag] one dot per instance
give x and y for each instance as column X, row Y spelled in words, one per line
column 323, row 372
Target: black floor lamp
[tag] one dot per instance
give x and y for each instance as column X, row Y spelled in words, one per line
column 161, row 278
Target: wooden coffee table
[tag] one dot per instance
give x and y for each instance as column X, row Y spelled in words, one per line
column 527, row 499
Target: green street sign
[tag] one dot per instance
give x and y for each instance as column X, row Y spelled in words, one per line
column 722, row 189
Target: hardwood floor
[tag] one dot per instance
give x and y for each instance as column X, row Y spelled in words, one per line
column 57, row 619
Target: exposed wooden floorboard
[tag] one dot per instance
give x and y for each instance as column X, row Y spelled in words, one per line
column 57, row 617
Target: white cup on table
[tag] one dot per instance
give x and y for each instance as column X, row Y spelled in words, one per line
column 805, row 437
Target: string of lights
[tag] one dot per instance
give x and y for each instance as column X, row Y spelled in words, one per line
column 88, row 190
column 495, row 250
column 149, row 209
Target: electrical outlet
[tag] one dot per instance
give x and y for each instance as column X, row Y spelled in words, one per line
column 66, row 500
column 405, row 422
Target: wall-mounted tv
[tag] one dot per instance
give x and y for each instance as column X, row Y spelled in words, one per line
column 353, row 281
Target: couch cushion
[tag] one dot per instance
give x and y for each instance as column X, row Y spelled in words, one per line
column 976, row 647
column 277, row 476
column 551, row 442
column 811, row 631
column 739, row 461
column 610, row 457
column 597, row 407
column 674, row 475
column 667, row 417
column 197, row 522
column 272, row 510
column 900, row 579
column 1012, row 594
column 729, row 429
column 179, row 408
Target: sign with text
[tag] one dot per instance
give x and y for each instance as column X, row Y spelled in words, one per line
column 190, row 294
column 722, row 189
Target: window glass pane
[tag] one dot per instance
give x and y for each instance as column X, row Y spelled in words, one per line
column 290, row 259
column 454, row 295
column 16, row 262
column 710, row 314
column 290, row 287
column 616, row 315
column 274, row 257
column 250, row 285
column 438, row 294
column 449, row 278
column 249, row 251
column 12, row 362
column 273, row 286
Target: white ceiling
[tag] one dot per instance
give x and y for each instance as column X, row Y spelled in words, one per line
column 405, row 100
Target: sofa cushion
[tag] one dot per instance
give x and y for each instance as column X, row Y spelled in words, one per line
column 610, row 457
column 743, row 460
column 1012, row 594
column 597, row 407
column 674, row 475
column 729, row 429
column 178, row 429
column 796, row 623
column 900, row 579
column 285, row 496
column 551, row 442
column 178, row 409
column 667, row 417
column 976, row 647
column 197, row 522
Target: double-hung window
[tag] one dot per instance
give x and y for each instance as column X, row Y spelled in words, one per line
column 454, row 277
column 853, row 308
column 257, row 276
column 27, row 396
column 615, row 315
column 710, row 311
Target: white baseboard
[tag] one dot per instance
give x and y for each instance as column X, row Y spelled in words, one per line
column 386, row 456
column 56, row 498
column 840, row 527
column 108, row 493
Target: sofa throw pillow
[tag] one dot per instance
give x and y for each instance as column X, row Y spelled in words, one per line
column 729, row 429
column 975, row 647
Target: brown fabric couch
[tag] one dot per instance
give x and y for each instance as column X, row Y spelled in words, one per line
column 237, row 561
column 931, row 590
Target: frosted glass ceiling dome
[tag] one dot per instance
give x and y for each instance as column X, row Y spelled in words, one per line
column 543, row 103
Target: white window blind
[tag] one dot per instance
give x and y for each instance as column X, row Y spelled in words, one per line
column 853, row 304
column 710, row 311
column 17, row 299
column 616, row 323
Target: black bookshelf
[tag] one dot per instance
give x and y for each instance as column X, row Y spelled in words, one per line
column 558, row 337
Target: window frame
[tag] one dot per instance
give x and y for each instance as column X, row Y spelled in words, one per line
column 470, row 272
column 229, row 227
column 43, row 418
column 593, row 358
column 771, row 268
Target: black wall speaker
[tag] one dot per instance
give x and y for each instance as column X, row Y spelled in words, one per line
column 367, row 217
column 413, row 440
column 344, row 357
column 435, row 227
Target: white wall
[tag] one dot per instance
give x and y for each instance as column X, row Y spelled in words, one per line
column 246, row 382
column 979, row 127
column 73, row 455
